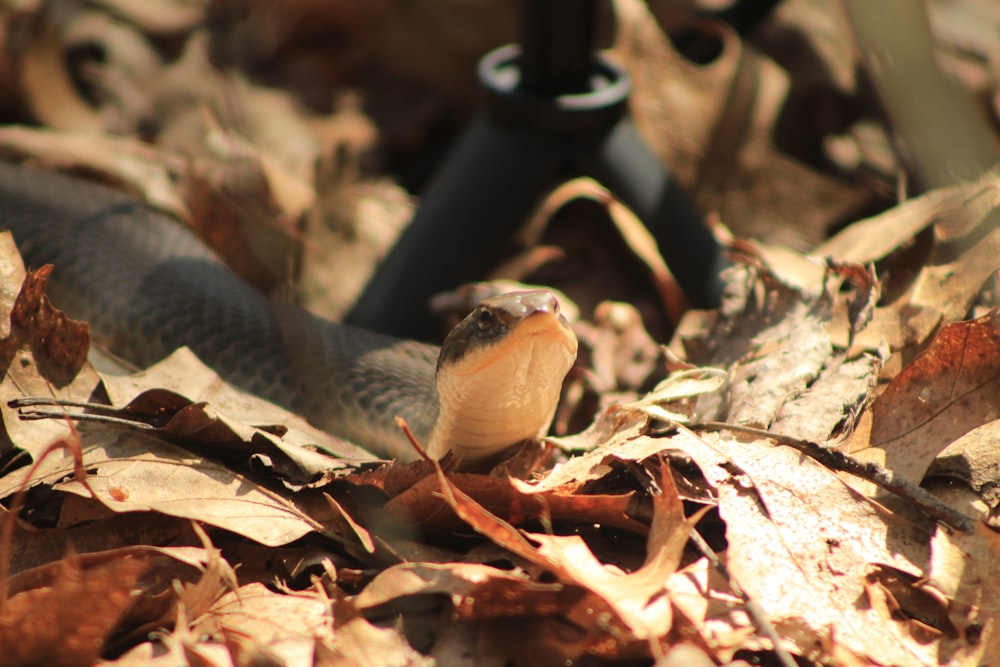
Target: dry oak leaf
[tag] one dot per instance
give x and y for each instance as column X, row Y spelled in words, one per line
column 184, row 375
column 260, row 621
column 358, row 642
column 773, row 340
column 422, row 507
column 63, row 612
column 43, row 354
column 965, row 253
column 951, row 388
column 66, row 620
column 801, row 544
column 132, row 472
column 618, row 610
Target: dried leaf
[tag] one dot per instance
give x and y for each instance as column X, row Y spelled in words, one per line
column 773, row 340
column 874, row 238
column 145, row 169
column 947, row 391
column 800, row 543
column 359, row 642
column 44, row 354
column 422, row 507
column 284, row 625
column 48, row 85
column 134, row 472
column 476, row 591
column 239, row 420
column 637, row 602
column 68, row 620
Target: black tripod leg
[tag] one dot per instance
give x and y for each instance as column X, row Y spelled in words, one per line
column 624, row 164
column 483, row 193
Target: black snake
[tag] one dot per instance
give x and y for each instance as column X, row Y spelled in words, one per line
column 147, row 286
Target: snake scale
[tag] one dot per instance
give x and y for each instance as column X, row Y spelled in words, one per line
column 147, row 285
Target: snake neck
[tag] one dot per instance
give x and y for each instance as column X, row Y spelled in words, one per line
column 506, row 403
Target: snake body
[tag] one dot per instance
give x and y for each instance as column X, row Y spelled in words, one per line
column 147, row 285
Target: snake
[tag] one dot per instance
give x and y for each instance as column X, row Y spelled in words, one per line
column 147, row 285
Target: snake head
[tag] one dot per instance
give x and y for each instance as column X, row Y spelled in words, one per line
column 499, row 374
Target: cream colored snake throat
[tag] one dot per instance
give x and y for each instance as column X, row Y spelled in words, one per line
column 147, row 286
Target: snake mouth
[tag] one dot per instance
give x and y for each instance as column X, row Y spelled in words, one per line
column 546, row 323
column 543, row 327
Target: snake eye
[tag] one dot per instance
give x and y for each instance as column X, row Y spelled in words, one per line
column 485, row 319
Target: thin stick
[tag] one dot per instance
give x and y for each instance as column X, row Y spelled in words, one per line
column 872, row 472
column 756, row 613
column 99, row 412
column 405, row 428
column 73, row 446
column 34, row 415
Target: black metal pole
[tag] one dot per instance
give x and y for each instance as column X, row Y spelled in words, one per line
column 553, row 107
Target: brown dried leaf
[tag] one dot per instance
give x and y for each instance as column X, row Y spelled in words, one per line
column 44, row 353
column 183, row 581
column 641, row 598
column 624, row 355
column 90, row 527
column 956, row 209
column 773, row 340
column 800, row 543
column 236, row 420
column 962, row 572
column 619, row 608
column 285, row 625
column 975, row 460
column 47, row 83
column 58, row 344
column 358, row 642
column 157, row 15
column 233, row 209
column 125, row 161
column 67, row 619
column 636, row 237
column 713, row 122
column 422, row 507
column 865, row 292
column 947, row 281
column 134, row 472
column 896, row 594
column 476, row 591
column 950, row 389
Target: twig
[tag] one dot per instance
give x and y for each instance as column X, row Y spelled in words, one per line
column 72, row 445
column 32, row 401
column 405, row 428
column 756, row 613
column 99, row 413
column 32, row 415
column 872, row 472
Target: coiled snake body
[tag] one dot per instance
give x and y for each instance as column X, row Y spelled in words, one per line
column 148, row 286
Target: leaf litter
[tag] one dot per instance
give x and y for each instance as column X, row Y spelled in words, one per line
column 684, row 513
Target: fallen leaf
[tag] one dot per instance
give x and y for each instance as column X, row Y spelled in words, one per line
column 800, row 543
column 422, row 507
column 356, row 641
column 133, row 472
column 44, row 354
column 68, row 619
column 947, row 391
column 874, row 238
column 241, row 421
column 284, row 624
column 638, row 602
